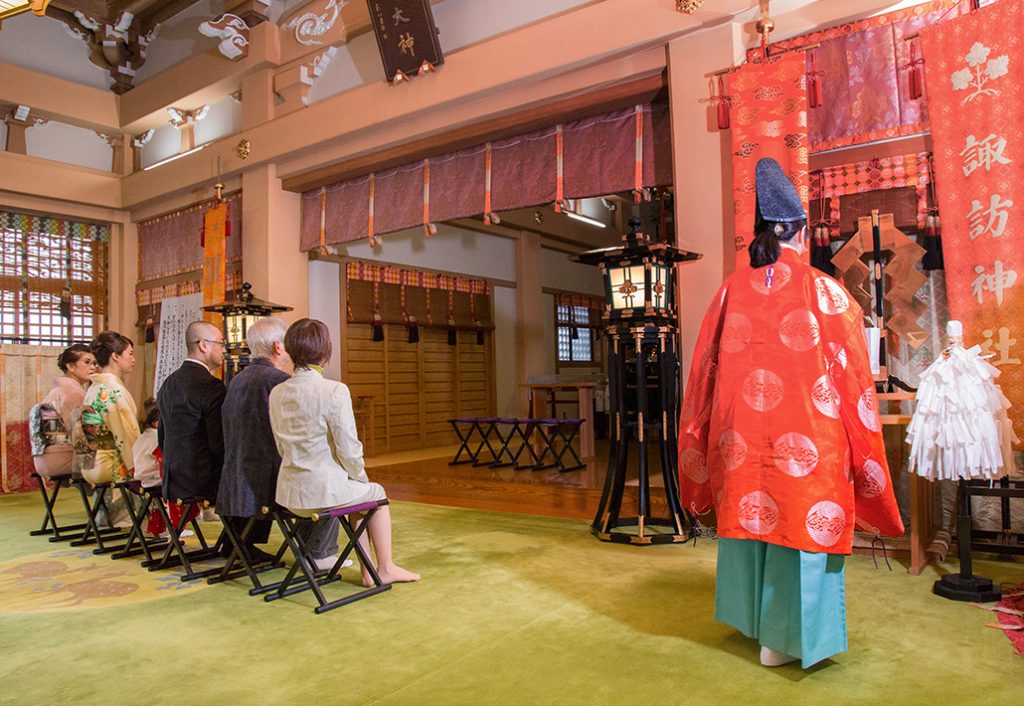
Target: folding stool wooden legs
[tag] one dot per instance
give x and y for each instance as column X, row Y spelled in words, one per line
column 137, row 542
column 289, row 524
column 93, row 533
column 50, row 526
column 240, row 555
column 175, row 554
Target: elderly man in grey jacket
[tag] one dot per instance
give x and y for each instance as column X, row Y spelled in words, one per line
column 251, row 462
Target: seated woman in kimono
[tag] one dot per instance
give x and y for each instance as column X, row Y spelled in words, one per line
column 54, row 420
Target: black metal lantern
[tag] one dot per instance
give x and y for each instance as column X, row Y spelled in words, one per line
column 238, row 315
column 643, row 377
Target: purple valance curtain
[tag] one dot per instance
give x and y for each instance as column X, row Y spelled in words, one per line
column 171, row 244
column 599, row 157
column 863, row 67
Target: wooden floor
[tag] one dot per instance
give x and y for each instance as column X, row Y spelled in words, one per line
column 425, row 476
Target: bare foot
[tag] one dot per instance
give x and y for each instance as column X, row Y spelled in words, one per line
column 392, row 574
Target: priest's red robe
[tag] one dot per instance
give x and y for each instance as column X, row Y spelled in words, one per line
column 779, row 427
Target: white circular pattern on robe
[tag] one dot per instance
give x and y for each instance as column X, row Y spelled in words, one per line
column 758, row 512
column 872, row 481
column 831, row 297
column 733, row 449
column 825, row 522
column 736, row 333
column 795, row 454
column 799, row 330
column 867, row 410
column 835, row 354
column 781, row 274
column 694, row 466
column 763, row 390
column 825, row 397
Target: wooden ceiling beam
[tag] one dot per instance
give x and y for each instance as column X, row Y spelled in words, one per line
column 595, row 102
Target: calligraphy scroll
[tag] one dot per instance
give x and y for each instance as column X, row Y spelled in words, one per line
column 974, row 69
column 176, row 313
column 769, row 119
column 407, row 37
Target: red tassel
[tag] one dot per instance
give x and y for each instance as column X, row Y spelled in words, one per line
column 202, row 237
column 814, row 93
column 915, row 79
column 722, row 104
column 227, row 225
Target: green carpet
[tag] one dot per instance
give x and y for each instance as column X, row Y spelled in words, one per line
column 512, row 609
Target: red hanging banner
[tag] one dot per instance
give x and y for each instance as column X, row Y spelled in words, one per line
column 769, row 119
column 214, row 262
column 974, row 74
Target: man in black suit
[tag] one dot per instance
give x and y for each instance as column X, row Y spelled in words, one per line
column 251, row 460
column 190, row 433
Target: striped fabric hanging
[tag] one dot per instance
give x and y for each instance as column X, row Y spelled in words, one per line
column 429, row 228
column 490, row 218
column 639, row 192
column 323, row 219
column 374, row 240
column 559, row 150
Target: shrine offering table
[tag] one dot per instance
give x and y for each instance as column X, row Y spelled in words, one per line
column 543, row 401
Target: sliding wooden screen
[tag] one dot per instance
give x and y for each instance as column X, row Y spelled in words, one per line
column 405, row 393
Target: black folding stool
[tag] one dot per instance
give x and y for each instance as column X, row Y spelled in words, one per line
column 175, row 553
column 525, row 430
column 504, row 456
column 138, row 503
column 485, row 441
column 93, row 533
column 465, row 436
column 241, row 557
column 554, row 430
column 60, row 533
column 288, row 523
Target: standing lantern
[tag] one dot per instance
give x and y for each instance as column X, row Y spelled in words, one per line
column 643, row 378
column 238, row 315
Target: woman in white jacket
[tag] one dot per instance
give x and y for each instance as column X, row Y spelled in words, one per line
column 321, row 456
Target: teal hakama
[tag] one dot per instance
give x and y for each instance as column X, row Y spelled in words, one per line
column 791, row 601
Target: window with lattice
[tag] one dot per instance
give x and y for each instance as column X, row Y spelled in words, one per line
column 52, row 279
column 578, row 319
column 575, row 344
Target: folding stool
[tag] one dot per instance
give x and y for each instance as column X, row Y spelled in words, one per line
column 556, row 430
column 137, row 542
column 93, row 533
column 465, row 435
column 506, row 440
column 485, row 440
column 527, row 430
column 60, row 533
column 175, row 553
column 249, row 568
column 288, row 523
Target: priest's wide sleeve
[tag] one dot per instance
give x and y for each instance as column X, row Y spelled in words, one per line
column 875, row 502
column 695, row 489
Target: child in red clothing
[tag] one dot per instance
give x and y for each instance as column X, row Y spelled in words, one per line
column 148, row 465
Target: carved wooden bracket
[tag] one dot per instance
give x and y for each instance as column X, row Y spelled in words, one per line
column 233, row 33
column 293, row 84
column 117, row 45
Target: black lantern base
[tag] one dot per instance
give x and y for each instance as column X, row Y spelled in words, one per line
column 967, row 588
column 643, row 537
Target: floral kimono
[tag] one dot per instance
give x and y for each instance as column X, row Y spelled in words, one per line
column 111, row 426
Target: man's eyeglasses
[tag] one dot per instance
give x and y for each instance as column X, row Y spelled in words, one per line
column 210, row 340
